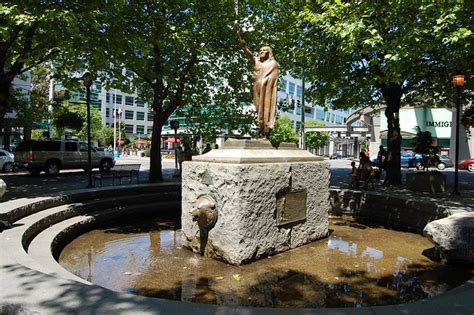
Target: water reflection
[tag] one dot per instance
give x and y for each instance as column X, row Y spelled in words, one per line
column 354, row 267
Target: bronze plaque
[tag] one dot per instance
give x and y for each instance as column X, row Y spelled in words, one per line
column 291, row 207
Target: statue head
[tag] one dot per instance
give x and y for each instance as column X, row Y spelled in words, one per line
column 265, row 53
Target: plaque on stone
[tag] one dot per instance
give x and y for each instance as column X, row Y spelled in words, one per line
column 291, row 207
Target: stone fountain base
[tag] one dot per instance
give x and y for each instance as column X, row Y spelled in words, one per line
column 267, row 200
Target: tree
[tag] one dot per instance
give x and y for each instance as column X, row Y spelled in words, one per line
column 283, row 131
column 74, row 116
column 316, row 139
column 32, row 33
column 372, row 53
column 214, row 120
column 179, row 53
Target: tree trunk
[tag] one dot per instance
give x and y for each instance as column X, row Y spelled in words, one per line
column 4, row 99
column 392, row 95
column 156, row 174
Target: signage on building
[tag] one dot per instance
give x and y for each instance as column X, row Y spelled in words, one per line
column 438, row 121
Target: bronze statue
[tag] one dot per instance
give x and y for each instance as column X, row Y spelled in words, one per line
column 265, row 84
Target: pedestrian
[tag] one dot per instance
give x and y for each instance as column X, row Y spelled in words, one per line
column 207, row 148
column 181, row 159
column 381, row 161
column 353, row 175
column 367, row 172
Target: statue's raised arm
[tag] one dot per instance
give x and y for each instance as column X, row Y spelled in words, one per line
column 243, row 45
column 265, row 84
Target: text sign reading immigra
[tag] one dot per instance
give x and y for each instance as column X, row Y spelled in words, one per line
column 291, row 207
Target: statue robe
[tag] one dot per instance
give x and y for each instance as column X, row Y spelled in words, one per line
column 265, row 90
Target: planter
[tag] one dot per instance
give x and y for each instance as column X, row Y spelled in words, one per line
column 426, row 181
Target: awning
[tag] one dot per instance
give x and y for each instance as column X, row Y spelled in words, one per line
column 141, row 141
column 172, row 139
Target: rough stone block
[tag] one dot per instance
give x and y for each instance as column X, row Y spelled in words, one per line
column 426, row 181
column 453, row 236
column 248, row 199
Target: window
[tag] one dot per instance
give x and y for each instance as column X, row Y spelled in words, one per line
column 139, row 103
column 338, row 119
column 150, row 116
column 83, row 147
column 291, row 89
column 129, row 100
column 107, row 97
column 96, row 104
column 140, row 129
column 107, row 112
column 128, row 128
column 149, row 129
column 2, row 153
column 98, row 86
column 283, row 85
column 70, row 146
column 140, row 116
column 319, row 114
column 48, row 146
column 118, row 99
column 129, row 114
column 299, row 90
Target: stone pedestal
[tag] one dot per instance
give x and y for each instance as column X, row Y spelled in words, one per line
column 266, row 200
column 426, row 181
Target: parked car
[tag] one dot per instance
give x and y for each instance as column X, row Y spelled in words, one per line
column 51, row 156
column 444, row 161
column 7, row 161
column 410, row 159
column 467, row 164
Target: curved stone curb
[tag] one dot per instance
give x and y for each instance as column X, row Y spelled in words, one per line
column 33, row 281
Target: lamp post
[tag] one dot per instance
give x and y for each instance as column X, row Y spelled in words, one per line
column 175, row 125
column 458, row 81
column 87, row 79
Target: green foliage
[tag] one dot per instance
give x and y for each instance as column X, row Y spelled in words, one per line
column 105, row 136
column 423, row 142
column 467, row 119
column 147, row 152
column 74, row 116
column 316, row 139
column 34, row 32
column 283, row 131
column 37, row 133
column 370, row 53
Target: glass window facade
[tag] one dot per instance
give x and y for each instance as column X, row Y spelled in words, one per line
column 283, row 85
column 129, row 114
column 291, row 89
column 299, row 90
column 319, row 114
column 139, row 102
column 129, row 128
column 140, row 116
column 129, row 100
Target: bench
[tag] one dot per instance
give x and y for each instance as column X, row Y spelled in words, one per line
column 119, row 171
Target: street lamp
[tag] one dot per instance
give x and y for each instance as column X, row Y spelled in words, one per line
column 458, row 81
column 87, row 78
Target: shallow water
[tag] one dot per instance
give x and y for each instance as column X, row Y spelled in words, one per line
column 355, row 266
